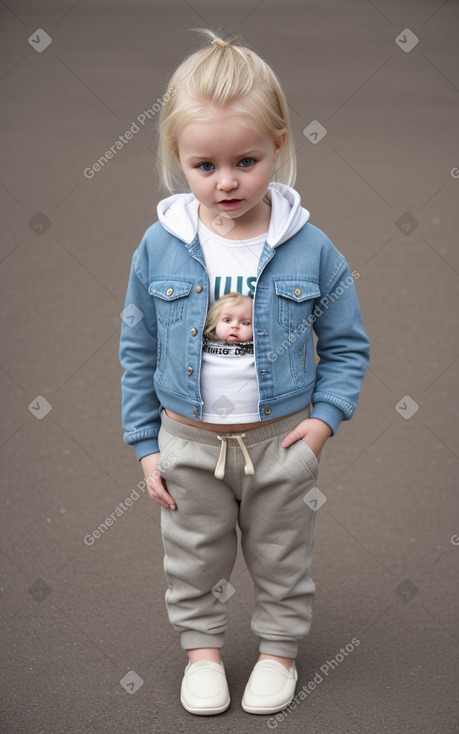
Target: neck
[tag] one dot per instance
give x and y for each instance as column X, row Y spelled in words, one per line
column 252, row 224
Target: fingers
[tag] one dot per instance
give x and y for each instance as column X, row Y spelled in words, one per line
column 155, row 483
column 159, row 494
column 313, row 431
column 290, row 438
column 298, row 432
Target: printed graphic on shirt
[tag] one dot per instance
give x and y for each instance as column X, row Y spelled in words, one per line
column 228, row 350
column 226, row 284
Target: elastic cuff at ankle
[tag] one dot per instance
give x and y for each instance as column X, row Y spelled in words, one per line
column 283, row 649
column 192, row 638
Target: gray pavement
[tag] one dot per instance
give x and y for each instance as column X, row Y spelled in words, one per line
column 86, row 643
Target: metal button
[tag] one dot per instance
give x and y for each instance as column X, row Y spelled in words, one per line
column 195, row 410
column 169, row 291
column 198, row 288
column 193, row 331
column 263, row 373
column 297, row 291
column 190, row 370
column 267, row 411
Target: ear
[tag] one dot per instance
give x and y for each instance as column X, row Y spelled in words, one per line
column 278, row 145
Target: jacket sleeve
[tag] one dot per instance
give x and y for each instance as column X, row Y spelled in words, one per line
column 138, row 357
column 342, row 345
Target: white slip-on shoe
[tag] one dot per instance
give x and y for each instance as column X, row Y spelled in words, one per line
column 204, row 688
column 271, row 687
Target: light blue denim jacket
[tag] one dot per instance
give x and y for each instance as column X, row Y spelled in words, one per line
column 303, row 285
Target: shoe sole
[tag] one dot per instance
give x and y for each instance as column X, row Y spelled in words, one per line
column 267, row 710
column 205, row 712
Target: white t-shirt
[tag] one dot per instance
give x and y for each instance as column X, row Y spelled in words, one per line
column 229, row 385
column 231, row 264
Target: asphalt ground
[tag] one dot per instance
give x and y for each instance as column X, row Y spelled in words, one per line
column 86, row 644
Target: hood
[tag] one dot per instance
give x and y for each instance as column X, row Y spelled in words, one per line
column 178, row 214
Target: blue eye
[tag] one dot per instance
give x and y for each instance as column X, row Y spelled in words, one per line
column 246, row 162
column 206, row 166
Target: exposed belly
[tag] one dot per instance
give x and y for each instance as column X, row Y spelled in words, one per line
column 220, row 427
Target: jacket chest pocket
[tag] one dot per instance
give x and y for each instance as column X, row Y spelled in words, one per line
column 295, row 299
column 170, row 298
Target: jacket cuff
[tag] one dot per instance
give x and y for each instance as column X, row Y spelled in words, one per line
column 328, row 413
column 146, row 446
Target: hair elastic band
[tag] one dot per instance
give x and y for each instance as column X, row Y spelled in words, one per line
column 219, row 43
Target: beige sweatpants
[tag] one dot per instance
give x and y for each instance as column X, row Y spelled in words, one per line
column 276, row 517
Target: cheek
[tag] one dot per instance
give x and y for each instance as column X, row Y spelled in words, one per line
column 200, row 182
column 265, row 172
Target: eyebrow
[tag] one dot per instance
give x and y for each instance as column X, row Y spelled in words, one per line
column 246, row 318
column 239, row 157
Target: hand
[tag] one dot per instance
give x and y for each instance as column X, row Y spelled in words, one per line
column 312, row 431
column 155, row 483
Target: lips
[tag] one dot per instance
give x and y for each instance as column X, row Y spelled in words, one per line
column 230, row 203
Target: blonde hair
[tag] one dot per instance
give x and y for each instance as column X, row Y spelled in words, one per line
column 231, row 77
column 215, row 311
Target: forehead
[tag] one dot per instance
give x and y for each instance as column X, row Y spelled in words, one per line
column 242, row 306
column 220, row 129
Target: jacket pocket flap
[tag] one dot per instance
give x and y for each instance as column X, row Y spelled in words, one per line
column 169, row 289
column 296, row 289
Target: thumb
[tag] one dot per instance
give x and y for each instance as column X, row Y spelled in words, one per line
column 290, row 438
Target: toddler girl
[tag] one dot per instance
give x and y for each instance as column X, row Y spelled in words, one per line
column 225, row 136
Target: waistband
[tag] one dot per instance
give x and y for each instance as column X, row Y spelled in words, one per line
column 251, row 437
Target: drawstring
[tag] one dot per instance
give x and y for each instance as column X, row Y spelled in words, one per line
column 219, row 472
column 248, row 468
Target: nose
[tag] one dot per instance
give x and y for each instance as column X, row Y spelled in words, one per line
column 227, row 181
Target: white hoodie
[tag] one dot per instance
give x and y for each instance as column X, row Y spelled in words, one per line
column 179, row 214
